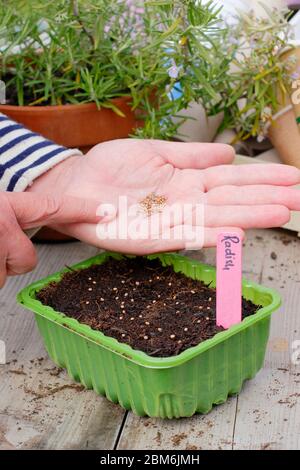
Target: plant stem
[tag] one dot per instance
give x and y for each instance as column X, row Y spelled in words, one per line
column 76, row 14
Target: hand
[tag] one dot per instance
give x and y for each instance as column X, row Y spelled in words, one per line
column 20, row 211
column 235, row 197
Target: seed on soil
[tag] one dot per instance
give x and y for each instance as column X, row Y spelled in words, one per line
column 131, row 300
column 192, row 292
column 137, row 283
column 206, row 318
column 132, row 318
column 210, row 299
column 172, row 336
column 94, row 282
column 176, row 303
column 117, row 298
column 207, row 308
column 123, row 282
column 198, row 321
column 121, row 318
column 185, row 329
column 102, row 300
column 154, row 301
column 126, row 294
column 158, row 278
column 123, row 335
column 90, row 289
column 140, row 316
column 115, row 288
column 170, row 283
column 200, row 307
column 179, row 341
column 147, row 323
column 87, row 302
column 159, row 329
column 145, row 337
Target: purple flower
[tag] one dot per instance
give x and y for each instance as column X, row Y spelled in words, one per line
column 295, row 75
column 173, row 71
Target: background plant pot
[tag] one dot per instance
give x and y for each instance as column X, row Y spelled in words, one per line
column 81, row 126
column 285, row 137
column 294, row 54
column 284, row 131
column 168, row 387
column 76, row 125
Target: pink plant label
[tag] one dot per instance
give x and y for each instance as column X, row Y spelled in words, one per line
column 229, row 279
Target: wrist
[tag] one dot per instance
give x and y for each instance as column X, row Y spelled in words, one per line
column 56, row 179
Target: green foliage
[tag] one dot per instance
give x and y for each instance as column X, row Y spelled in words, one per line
column 68, row 51
column 251, row 89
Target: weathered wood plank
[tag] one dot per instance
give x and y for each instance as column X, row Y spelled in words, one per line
column 215, row 430
column 40, row 407
column 68, row 417
column 268, row 414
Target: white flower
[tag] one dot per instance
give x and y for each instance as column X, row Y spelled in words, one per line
column 260, row 138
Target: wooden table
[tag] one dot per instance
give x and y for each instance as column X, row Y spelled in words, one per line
column 41, row 408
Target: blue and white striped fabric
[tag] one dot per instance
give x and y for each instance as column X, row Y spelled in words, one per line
column 25, row 155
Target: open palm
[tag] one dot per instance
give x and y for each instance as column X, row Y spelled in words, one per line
column 234, row 197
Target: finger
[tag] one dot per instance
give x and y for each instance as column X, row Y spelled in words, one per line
column 194, row 154
column 254, row 195
column 33, row 210
column 252, row 174
column 89, row 234
column 245, row 217
column 208, row 238
column 21, row 256
column 211, row 235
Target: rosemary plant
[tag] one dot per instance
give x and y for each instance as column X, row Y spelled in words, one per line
column 257, row 79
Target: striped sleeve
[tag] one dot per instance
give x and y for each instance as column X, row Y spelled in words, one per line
column 25, row 155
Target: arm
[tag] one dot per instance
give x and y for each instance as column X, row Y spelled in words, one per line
column 25, row 157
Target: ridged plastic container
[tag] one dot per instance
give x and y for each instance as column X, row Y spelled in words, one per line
column 171, row 387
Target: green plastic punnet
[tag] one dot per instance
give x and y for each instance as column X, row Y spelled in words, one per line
column 169, row 387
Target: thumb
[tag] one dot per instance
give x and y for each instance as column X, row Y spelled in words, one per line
column 33, row 210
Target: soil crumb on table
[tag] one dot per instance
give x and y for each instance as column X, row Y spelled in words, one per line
column 141, row 303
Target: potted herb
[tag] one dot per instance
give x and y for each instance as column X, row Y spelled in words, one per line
column 81, row 72
column 254, row 94
column 142, row 332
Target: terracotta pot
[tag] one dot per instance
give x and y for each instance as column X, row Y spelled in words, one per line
column 294, row 55
column 284, row 131
column 76, row 125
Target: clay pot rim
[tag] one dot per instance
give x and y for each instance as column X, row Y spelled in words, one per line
column 60, row 107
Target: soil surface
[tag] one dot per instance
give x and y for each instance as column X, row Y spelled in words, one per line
column 140, row 303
